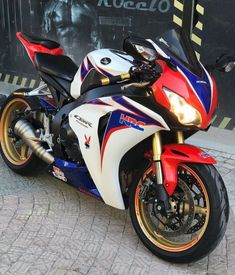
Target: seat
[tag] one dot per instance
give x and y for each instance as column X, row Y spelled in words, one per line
column 56, row 70
column 60, row 66
column 41, row 41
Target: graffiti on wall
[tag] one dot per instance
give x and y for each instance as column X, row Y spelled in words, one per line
column 73, row 23
column 162, row 6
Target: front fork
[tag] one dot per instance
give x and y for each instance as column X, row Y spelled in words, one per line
column 157, row 153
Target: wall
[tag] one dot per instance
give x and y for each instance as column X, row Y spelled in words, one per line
column 83, row 25
column 218, row 38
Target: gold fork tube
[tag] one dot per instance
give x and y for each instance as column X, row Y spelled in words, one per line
column 180, row 137
column 157, row 152
column 157, row 147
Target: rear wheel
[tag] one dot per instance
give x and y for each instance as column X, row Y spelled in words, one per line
column 16, row 154
column 197, row 218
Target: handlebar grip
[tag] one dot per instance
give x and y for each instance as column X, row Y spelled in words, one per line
column 114, row 79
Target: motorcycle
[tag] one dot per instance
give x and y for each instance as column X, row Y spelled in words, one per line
column 115, row 128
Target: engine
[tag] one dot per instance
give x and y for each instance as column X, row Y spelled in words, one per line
column 70, row 143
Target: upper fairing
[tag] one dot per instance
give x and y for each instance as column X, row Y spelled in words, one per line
column 190, row 79
column 198, row 90
column 201, row 85
column 106, row 61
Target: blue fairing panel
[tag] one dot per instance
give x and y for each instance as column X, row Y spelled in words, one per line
column 78, row 176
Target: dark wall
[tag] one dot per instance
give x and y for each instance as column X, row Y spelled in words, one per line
column 84, row 25
column 79, row 25
column 218, row 38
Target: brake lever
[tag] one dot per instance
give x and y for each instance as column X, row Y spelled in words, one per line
column 136, row 85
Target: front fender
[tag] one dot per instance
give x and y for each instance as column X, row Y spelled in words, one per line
column 175, row 154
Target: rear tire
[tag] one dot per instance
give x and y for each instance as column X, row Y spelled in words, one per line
column 17, row 158
column 213, row 230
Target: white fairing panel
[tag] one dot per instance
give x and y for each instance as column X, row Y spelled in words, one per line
column 103, row 162
column 105, row 61
column 76, row 85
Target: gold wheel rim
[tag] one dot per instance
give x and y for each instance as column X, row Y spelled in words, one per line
column 159, row 240
column 17, row 156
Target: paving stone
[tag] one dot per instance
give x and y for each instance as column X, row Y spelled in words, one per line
column 63, row 264
column 225, row 155
column 57, row 271
column 71, row 272
column 83, row 263
column 47, row 227
column 233, row 157
column 19, row 267
column 4, row 268
column 228, row 166
column 224, row 171
column 231, row 161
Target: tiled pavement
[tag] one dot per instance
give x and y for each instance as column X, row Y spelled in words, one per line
column 47, row 227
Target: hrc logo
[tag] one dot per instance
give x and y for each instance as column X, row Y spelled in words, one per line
column 131, row 122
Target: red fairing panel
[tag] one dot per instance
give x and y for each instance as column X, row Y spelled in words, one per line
column 32, row 48
column 173, row 155
column 175, row 81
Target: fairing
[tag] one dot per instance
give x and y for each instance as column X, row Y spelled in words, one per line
column 191, row 80
column 199, row 92
column 77, row 175
column 178, row 45
column 33, row 48
column 175, row 154
column 129, row 124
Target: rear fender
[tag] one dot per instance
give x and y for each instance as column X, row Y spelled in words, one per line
column 174, row 155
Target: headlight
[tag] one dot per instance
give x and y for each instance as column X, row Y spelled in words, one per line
column 185, row 113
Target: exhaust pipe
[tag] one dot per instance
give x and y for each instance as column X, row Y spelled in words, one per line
column 26, row 132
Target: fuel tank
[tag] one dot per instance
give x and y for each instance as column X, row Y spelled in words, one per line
column 97, row 65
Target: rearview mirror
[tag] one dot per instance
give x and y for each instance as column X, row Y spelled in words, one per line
column 140, row 49
column 225, row 63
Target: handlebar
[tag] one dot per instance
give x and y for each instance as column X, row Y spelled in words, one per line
column 147, row 73
column 114, row 79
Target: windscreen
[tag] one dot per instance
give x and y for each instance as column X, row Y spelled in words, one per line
column 179, row 46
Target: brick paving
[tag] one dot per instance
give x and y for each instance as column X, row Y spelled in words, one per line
column 47, row 227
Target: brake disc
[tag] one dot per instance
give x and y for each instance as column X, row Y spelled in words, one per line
column 200, row 222
column 185, row 221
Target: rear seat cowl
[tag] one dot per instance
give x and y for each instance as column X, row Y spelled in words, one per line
column 50, row 44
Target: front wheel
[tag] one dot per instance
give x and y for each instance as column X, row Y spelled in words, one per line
column 196, row 221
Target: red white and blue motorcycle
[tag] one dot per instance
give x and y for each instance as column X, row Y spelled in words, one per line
column 115, row 129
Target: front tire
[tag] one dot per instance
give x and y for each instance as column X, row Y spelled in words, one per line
column 207, row 221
